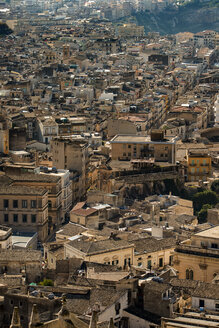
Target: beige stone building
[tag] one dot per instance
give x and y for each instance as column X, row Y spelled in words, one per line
column 72, row 154
column 16, row 262
column 90, row 217
column 151, row 253
column 47, row 182
column 127, row 147
column 115, row 252
column 115, row 126
column 198, row 257
column 196, row 115
column 25, row 209
column 52, row 253
column 4, row 136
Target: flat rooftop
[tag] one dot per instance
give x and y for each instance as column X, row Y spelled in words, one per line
column 138, row 139
column 209, row 233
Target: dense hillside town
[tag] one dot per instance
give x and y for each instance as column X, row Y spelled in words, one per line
column 109, row 171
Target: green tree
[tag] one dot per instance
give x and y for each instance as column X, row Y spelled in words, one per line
column 215, row 186
column 205, row 197
column 4, row 29
column 203, row 213
column 46, row 282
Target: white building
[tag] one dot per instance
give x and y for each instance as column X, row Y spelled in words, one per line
column 47, row 129
column 205, row 39
column 66, row 188
column 206, row 296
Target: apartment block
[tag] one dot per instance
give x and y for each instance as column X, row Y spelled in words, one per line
column 47, row 182
column 25, row 209
column 198, row 165
column 71, row 154
column 66, row 187
column 127, row 147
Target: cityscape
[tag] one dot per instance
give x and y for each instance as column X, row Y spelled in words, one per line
column 109, row 164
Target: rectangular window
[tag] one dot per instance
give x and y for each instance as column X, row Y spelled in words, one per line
column 217, row 306
column 33, row 203
column 170, row 259
column 24, row 203
column 213, row 245
column 161, row 262
column 24, row 217
column 15, row 217
column 149, row 264
column 201, row 303
column 6, row 203
column 15, row 203
column 5, row 217
column 117, row 308
column 33, row 218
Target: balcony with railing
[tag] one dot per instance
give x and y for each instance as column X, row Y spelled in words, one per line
column 202, row 251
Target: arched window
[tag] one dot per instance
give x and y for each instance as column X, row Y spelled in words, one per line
column 191, row 274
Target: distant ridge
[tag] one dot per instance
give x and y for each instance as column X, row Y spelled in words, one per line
column 192, row 17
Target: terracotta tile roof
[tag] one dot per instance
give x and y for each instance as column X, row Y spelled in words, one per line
column 84, row 212
column 78, row 206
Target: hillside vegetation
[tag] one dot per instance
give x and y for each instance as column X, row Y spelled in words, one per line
column 4, row 29
column 193, row 16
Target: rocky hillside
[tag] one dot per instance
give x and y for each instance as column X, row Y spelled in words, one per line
column 193, row 17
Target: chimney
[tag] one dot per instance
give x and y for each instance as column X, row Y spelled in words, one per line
column 15, row 321
column 34, row 318
column 64, row 313
column 111, row 324
column 93, row 322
